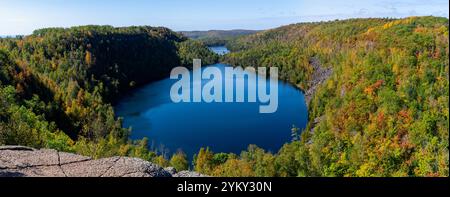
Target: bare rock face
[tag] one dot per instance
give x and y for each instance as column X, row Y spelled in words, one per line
column 171, row 170
column 319, row 76
column 188, row 174
column 19, row 161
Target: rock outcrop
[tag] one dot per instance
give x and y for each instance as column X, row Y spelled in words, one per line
column 188, row 174
column 19, row 161
column 320, row 75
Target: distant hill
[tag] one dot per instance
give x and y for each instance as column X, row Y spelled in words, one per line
column 9, row 36
column 217, row 37
column 378, row 107
column 217, row 33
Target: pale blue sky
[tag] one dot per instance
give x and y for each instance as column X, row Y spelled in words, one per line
column 24, row 16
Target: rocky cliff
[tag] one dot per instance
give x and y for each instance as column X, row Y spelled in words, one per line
column 319, row 76
column 19, row 161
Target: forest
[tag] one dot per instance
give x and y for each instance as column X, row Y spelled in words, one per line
column 58, row 85
column 383, row 112
column 217, row 37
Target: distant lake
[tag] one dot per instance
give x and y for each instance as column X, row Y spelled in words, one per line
column 224, row 127
column 221, row 50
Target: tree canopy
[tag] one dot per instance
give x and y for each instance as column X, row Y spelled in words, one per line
column 58, row 85
column 383, row 111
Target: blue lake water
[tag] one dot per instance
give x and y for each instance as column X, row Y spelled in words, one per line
column 221, row 50
column 224, row 127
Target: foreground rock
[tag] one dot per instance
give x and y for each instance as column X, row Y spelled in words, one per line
column 19, row 161
column 188, row 174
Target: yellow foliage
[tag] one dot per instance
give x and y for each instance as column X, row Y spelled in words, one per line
column 234, row 168
column 88, row 58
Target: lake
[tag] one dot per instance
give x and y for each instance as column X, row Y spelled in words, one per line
column 224, row 127
column 221, row 50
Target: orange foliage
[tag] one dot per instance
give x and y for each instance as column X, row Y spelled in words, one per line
column 374, row 87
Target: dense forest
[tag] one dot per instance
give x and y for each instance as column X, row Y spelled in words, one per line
column 383, row 112
column 217, row 37
column 57, row 86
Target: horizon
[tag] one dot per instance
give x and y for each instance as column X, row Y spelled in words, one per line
column 237, row 29
column 25, row 16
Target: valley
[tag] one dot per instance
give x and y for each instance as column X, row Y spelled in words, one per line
column 376, row 91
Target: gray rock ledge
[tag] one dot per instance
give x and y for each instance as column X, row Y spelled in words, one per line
column 20, row 161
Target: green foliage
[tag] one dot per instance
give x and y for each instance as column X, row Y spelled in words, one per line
column 58, row 85
column 179, row 161
column 383, row 112
column 203, row 161
column 192, row 49
column 161, row 161
column 216, row 37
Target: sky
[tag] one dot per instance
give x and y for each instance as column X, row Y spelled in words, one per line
column 21, row 17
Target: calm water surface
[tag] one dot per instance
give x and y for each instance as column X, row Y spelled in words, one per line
column 221, row 50
column 224, row 127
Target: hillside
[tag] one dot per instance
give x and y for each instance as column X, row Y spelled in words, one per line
column 57, row 85
column 382, row 112
column 217, row 37
column 377, row 91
